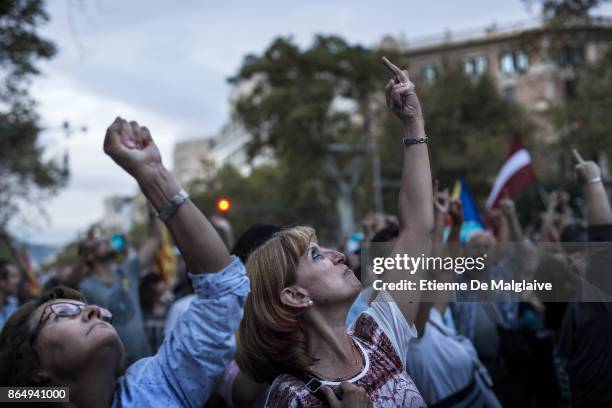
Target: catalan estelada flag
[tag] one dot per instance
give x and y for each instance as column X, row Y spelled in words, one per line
column 471, row 217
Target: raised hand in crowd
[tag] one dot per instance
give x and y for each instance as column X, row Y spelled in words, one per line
column 566, row 213
column 508, row 210
column 402, row 99
column 441, row 201
column 549, row 230
column 370, row 224
column 598, row 207
column 500, row 225
column 455, row 211
column 416, row 195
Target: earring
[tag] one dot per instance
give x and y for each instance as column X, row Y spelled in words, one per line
column 310, row 302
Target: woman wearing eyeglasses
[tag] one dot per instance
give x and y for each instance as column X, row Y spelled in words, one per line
column 59, row 340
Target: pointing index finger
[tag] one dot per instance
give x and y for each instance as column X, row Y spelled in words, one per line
column 399, row 74
column 577, row 156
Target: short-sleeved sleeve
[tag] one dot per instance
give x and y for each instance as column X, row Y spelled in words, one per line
column 191, row 359
column 390, row 319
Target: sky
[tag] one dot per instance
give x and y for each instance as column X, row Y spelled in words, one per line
column 166, row 64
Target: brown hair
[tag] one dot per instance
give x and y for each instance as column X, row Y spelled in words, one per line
column 19, row 361
column 270, row 340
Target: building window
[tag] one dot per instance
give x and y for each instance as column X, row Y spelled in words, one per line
column 509, row 93
column 513, row 62
column 570, row 56
column 429, row 73
column 475, row 65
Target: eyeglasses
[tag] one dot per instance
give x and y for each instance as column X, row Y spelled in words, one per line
column 66, row 310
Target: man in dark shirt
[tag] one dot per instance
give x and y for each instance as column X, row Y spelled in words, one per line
column 586, row 334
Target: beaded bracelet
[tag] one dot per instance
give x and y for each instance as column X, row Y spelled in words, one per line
column 409, row 142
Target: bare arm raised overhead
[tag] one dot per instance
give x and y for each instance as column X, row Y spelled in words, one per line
column 415, row 196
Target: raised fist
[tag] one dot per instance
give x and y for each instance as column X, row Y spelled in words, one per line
column 131, row 147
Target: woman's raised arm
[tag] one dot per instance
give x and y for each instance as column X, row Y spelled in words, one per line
column 415, row 196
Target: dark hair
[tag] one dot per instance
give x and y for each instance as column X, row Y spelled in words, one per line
column 386, row 234
column 255, row 236
column 147, row 291
column 19, row 361
column 576, row 232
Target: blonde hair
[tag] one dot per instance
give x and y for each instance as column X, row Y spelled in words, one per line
column 270, row 340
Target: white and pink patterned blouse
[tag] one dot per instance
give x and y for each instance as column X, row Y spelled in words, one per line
column 382, row 334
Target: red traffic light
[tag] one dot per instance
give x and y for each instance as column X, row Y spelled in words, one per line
column 223, row 205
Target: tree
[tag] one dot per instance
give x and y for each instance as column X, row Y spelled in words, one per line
column 258, row 196
column 313, row 109
column 566, row 10
column 584, row 119
column 25, row 175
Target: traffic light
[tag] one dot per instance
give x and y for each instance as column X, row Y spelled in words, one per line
column 223, row 205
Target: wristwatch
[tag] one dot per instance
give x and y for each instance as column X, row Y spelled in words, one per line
column 173, row 205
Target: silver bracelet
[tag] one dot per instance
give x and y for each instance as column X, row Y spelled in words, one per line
column 410, row 141
column 173, row 205
column 594, row 181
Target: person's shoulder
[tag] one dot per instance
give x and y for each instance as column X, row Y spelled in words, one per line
column 183, row 303
column 230, row 279
column 130, row 264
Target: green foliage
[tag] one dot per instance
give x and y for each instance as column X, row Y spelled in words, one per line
column 24, row 173
column 292, row 112
column 257, row 197
column 564, row 10
column 470, row 128
column 584, row 120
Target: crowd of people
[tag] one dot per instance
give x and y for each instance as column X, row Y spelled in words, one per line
column 279, row 319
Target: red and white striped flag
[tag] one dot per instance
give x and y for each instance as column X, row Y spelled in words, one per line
column 515, row 175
